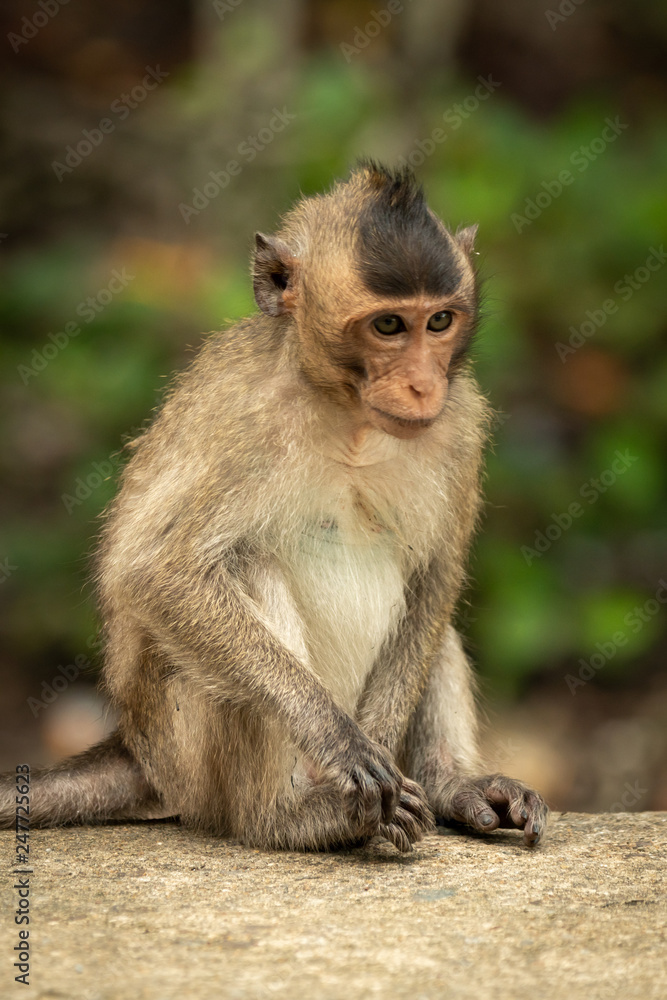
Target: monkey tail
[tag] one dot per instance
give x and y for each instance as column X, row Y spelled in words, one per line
column 103, row 783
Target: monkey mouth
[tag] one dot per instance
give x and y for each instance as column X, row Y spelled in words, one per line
column 407, row 423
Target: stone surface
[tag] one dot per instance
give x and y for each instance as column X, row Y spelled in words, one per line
column 153, row 911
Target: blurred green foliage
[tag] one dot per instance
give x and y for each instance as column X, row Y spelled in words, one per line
column 562, row 423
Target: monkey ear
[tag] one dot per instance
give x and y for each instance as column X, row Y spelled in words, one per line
column 466, row 238
column 273, row 275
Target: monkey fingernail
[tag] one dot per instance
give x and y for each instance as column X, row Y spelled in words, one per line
column 524, row 814
column 486, row 819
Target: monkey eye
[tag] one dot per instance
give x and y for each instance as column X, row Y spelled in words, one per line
column 439, row 321
column 389, row 324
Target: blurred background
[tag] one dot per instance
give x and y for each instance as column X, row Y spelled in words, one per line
column 144, row 143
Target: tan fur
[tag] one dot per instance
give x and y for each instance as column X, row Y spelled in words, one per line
column 278, row 571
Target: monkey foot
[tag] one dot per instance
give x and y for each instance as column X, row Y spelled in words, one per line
column 494, row 801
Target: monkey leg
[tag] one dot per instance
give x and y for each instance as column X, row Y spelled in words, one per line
column 441, row 754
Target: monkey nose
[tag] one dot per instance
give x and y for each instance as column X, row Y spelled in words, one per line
column 424, row 400
column 421, row 380
column 424, row 392
column 421, row 389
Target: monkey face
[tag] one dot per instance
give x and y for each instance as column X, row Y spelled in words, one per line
column 378, row 296
column 407, row 350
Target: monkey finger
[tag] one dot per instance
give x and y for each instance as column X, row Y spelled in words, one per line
column 389, row 781
column 532, row 833
column 419, row 809
column 414, row 789
column 511, row 809
column 372, row 793
column 412, row 804
column 410, row 824
column 468, row 804
column 390, row 798
column 485, row 820
column 397, row 836
column 352, row 792
column 518, row 806
column 472, row 808
column 405, row 826
column 536, row 824
column 361, row 800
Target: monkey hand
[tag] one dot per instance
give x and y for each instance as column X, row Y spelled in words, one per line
column 368, row 780
column 412, row 819
column 494, row 801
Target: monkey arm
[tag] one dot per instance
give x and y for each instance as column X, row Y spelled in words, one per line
column 419, row 702
column 441, row 753
column 400, row 673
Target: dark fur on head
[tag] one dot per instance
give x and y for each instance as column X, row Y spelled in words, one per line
column 403, row 249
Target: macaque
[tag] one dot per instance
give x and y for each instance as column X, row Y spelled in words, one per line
column 278, row 573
